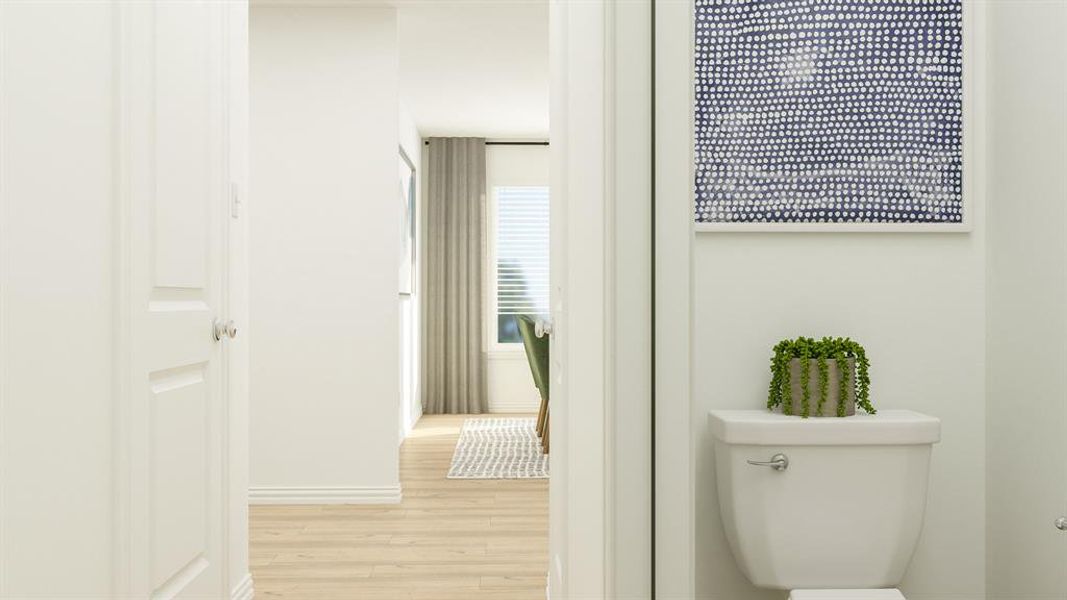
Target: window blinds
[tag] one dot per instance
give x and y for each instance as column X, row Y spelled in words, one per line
column 522, row 255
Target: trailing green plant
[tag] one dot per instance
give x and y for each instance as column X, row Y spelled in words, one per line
column 806, row 349
column 805, row 379
column 824, row 382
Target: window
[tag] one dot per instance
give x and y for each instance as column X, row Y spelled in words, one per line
column 520, row 251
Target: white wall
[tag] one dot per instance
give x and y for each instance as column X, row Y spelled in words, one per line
column 410, row 329
column 325, row 377
column 916, row 301
column 57, row 301
column 475, row 68
column 510, row 382
column 1027, row 291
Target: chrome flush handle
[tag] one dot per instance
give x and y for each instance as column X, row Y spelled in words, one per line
column 778, row 462
column 1061, row 523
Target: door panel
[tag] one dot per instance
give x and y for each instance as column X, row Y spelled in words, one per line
column 173, row 67
column 179, row 403
column 185, row 125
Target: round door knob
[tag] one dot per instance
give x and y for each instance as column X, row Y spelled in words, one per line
column 542, row 327
column 1061, row 523
column 225, row 329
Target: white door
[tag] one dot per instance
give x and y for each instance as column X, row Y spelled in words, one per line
column 1060, row 521
column 175, row 154
column 558, row 487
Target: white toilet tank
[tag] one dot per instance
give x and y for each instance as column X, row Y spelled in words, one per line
column 847, row 510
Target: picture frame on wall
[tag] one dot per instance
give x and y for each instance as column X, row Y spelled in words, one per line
column 836, row 115
column 407, row 196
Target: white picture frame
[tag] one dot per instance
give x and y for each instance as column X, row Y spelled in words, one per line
column 407, row 197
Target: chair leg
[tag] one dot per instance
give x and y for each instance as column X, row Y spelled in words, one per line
column 544, row 437
column 542, row 415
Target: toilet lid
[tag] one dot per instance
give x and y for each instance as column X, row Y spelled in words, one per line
column 893, row 594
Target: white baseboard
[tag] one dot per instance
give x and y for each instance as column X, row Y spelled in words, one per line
column 243, row 590
column 513, row 407
column 324, row 495
column 555, row 576
column 407, row 428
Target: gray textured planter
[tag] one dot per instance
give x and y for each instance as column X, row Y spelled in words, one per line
column 829, row 409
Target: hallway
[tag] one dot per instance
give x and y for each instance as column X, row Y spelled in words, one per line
column 447, row 539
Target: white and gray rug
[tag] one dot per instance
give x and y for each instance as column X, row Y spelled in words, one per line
column 499, row 448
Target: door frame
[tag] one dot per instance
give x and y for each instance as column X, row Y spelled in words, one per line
column 675, row 541
column 578, row 511
column 601, row 131
column 601, row 536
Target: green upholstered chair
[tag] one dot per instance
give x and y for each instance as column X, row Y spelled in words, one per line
column 537, row 354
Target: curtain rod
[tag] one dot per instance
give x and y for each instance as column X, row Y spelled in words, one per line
column 427, row 143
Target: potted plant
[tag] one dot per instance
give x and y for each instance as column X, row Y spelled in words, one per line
column 821, row 378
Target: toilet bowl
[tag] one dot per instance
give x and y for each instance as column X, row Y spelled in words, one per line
column 828, row 508
column 881, row 594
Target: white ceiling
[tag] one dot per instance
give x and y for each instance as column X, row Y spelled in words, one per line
column 475, row 67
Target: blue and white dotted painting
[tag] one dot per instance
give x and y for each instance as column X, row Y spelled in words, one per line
column 829, row 111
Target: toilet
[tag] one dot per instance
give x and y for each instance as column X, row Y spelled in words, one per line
column 827, row 508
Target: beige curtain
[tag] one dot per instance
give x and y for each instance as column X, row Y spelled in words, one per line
column 453, row 357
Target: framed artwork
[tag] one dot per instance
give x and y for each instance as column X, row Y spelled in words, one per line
column 832, row 115
column 407, row 225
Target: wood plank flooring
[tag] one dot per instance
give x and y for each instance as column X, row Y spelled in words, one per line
column 448, row 540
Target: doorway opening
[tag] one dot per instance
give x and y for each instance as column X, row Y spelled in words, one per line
column 399, row 167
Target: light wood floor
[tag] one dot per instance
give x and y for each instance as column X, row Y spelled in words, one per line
column 448, row 540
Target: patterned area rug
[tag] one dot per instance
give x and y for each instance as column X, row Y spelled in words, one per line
column 499, row 448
